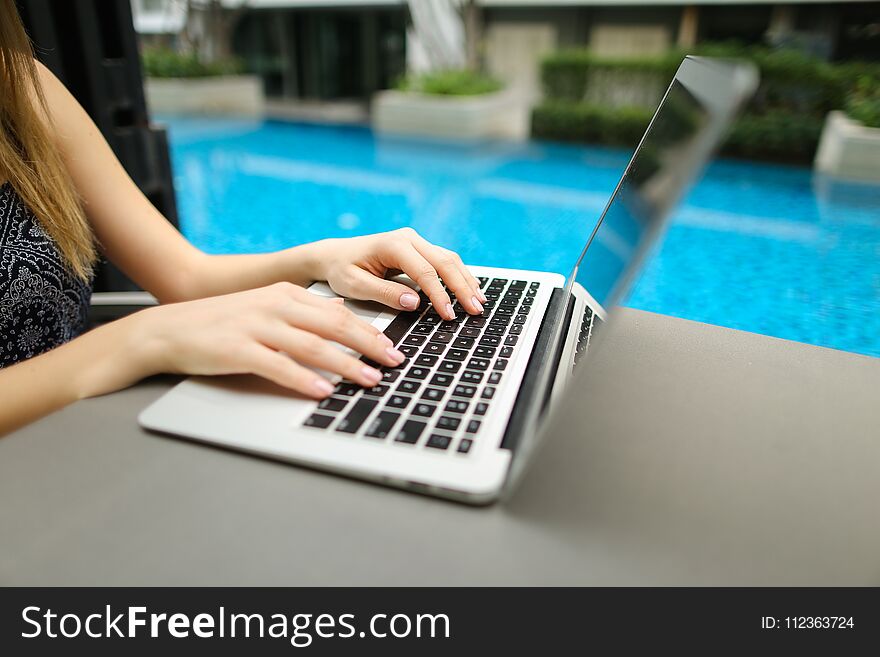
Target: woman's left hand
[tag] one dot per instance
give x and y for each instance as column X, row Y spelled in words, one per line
column 356, row 268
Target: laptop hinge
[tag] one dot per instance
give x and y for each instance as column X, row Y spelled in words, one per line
column 539, row 358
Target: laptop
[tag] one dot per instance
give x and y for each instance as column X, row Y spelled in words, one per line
column 461, row 416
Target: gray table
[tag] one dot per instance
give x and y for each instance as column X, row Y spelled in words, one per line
column 693, row 455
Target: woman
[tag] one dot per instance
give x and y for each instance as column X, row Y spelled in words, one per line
column 64, row 198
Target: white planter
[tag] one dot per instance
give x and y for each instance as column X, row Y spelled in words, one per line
column 848, row 150
column 500, row 115
column 240, row 95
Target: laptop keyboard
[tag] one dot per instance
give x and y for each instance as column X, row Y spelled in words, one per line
column 437, row 398
column 588, row 324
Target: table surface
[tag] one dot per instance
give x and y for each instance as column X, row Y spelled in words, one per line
column 689, row 455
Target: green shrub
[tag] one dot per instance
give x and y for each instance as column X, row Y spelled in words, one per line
column 166, row 63
column 863, row 103
column 776, row 135
column 568, row 121
column 450, row 83
column 783, row 120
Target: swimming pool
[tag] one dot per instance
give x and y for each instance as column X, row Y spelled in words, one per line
column 757, row 247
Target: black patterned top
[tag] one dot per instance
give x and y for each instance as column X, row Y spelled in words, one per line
column 42, row 304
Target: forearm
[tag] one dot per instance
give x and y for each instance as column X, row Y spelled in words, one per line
column 108, row 358
column 224, row 274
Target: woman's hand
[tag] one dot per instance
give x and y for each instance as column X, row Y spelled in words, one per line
column 276, row 332
column 357, row 267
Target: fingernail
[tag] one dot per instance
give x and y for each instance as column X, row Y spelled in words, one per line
column 371, row 374
column 395, row 355
column 384, row 340
column 323, row 387
column 338, row 300
column 477, row 304
column 450, row 313
column 410, row 301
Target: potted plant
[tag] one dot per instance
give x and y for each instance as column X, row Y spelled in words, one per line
column 181, row 83
column 850, row 144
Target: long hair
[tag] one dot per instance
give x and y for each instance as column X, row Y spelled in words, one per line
column 29, row 156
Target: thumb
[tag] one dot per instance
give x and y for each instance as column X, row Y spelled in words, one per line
column 365, row 285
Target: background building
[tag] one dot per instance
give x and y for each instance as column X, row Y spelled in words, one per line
column 348, row 49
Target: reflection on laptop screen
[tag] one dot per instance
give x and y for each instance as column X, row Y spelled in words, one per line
column 649, row 188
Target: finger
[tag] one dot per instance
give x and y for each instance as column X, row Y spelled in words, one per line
column 404, row 256
column 314, row 351
column 361, row 284
column 447, row 264
column 337, row 323
column 278, row 368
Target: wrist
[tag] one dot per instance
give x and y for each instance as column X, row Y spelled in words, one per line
column 307, row 263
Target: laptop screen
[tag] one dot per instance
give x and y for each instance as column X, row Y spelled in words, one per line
column 690, row 122
column 671, row 150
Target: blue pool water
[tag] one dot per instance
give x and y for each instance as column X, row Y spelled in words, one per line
column 762, row 248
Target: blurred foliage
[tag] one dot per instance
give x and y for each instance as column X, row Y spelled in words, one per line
column 450, row 83
column 167, row 63
column 863, row 103
column 783, row 121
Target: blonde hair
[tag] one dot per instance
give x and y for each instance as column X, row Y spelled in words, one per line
column 29, row 157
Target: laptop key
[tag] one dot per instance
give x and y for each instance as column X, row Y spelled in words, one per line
column 464, row 445
column 471, row 377
column 448, row 422
column 400, row 325
column 347, row 389
column 424, row 329
column 488, row 393
column 408, row 350
column 434, row 349
column 456, row 406
column 433, row 394
column 481, row 408
column 427, row 361
column 464, row 391
column 495, row 378
column 471, row 332
column 457, row 354
column 318, row 421
column 478, row 364
column 381, row 426
column 520, row 319
column 500, row 365
column 438, row 441
column 494, row 331
column 449, row 367
column 475, row 322
column 491, row 341
column 410, row 431
column 463, row 343
column 415, row 340
column 417, row 373
column 518, row 285
column 397, row 401
column 377, row 391
column 424, row 410
column 506, row 352
column 449, row 327
column 409, row 387
column 431, row 318
column 511, row 340
column 390, row 376
column 516, row 329
column 332, row 404
column 442, row 337
column 473, row 426
column 484, row 352
column 356, row 416
column 442, row 380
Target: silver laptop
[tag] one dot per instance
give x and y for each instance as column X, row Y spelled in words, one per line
column 459, row 418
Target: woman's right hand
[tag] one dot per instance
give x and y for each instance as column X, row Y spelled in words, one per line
column 276, row 332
